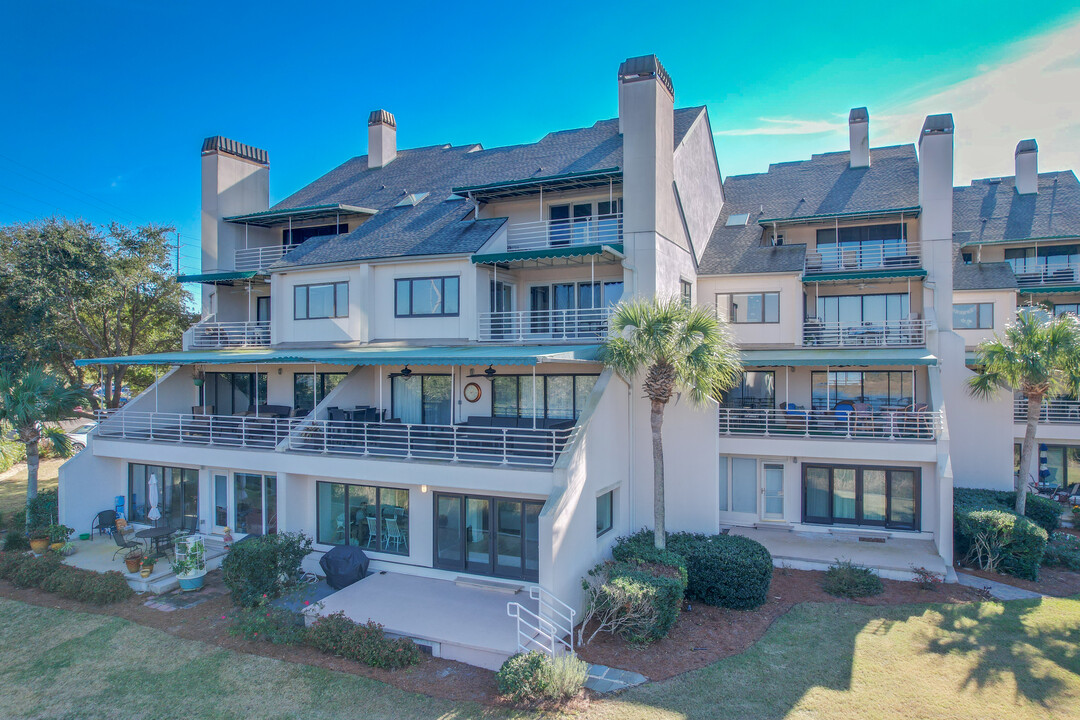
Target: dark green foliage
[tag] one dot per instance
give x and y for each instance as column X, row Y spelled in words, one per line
column 365, row 643
column 999, row 541
column 49, row 574
column 264, row 567
column 270, row 624
column 10, row 562
column 521, row 678
column 41, row 510
column 640, row 547
column 15, row 541
column 1044, row 512
column 845, row 579
column 1062, row 551
column 661, row 586
column 31, row 574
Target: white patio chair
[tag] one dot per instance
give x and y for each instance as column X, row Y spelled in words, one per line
column 393, row 535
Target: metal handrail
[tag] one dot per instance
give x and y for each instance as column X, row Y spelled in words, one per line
column 228, row 334
column 257, row 258
column 541, row 234
column 890, row 254
column 585, row 324
column 245, row 431
column 1030, row 272
column 557, row 610
column 542, row 630
column 1058, row 411
column 895, row 333
column 901, row 425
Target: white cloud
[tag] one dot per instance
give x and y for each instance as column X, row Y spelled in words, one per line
column 786, row 126
column 1033, row 94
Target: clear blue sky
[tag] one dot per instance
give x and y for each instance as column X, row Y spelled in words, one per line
column 106, row 103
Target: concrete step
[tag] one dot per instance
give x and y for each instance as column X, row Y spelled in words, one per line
column 485, row 584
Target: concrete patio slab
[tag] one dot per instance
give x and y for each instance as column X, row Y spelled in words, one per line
column 97, row 555
column 999, row 590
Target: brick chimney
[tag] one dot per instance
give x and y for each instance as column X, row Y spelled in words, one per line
column 382, row 138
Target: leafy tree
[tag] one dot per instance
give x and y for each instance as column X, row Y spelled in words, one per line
column 1039, row 357
column 72, row 291
column 28, row 399
column 679, row 349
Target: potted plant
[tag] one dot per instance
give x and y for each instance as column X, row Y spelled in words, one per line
column 133, row 560
column 59, row 535
column 190, row 562
column 67, row 549
column 146, row 567
column 39, row 540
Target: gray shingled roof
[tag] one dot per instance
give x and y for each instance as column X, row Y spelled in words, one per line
column 990, row 210
column 981, row 276
column 822, row 185
column 435, row 225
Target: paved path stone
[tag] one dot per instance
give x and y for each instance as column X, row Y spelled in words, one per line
column 603, row 679
column 999, row 590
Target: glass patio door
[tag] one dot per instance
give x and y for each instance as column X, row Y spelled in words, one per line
column 255, row 502
column 488, row 536
column 772, row 490
column 478, row 535
column 449, row 538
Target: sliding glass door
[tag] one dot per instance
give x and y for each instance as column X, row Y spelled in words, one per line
column 861, row 496
column 487, row 535
column 421, row 399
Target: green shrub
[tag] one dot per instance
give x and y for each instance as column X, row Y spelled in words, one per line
column 845, row 579
column 1062, row 550
column 522, row 678
column 264, row 567
column 16, row 541
column 724, row 570
column 51, row 575
column 639, row 602
column 41, row 510
column 31, row 574
column 11, row 562
column 270, row 624
column 640, row 547
column 366, row 643
column 1044, row 512
column 999, row 541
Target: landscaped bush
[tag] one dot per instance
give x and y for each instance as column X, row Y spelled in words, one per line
column 10, row 562
column 724, row 570
column 640, row 547
column 270, row 624
column 845, row 579
column 42, row 510
column 264, row 567
column 564, row 676
column 32, row 573
column 366, row 643
column 1062, row 550
column 999, row 541
column 49, row 574
column 637, row 601
column 534, row 677
column 16, row 541
column 1042, row 511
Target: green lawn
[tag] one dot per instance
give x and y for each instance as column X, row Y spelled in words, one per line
column 1017, row 660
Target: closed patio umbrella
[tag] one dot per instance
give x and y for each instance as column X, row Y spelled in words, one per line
column 1044, row 470
column 152, row 499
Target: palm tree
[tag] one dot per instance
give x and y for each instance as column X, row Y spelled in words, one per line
column 28, row 400
column 679, row 349
column 1039, row 357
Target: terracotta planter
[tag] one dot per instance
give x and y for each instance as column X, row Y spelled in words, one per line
column 39, row 545
column 133, row 564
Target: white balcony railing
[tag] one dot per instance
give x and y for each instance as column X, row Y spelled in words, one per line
column 207, row 334
column 1061, row 412
column 1030, row 273
column 257, row 258
column 543, row 234
column 904, row 425
column 258, row 433
column 890, row 255
column 582, row 325
column 465, row 443
column 895, row 333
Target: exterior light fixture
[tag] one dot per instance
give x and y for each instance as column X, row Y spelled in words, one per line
column 423, row 488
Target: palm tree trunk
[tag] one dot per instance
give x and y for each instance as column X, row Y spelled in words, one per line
column 656, row 421
column 31, row 476
column 1034, row 408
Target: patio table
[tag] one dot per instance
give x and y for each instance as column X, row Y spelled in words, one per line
column 155, row 535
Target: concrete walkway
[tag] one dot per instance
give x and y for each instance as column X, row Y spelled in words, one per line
column 999, row 590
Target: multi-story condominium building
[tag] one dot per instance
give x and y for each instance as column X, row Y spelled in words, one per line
column 402, row 355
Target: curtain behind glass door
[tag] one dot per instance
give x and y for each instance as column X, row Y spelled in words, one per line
column 478, row 535
column 405, row 394
column 449, row 539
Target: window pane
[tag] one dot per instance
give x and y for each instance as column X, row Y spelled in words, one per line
column 394, row 513
column 902, row 504
column 772, row 307
column 817, row 493
column 744, row 485
column 754, row 309
column 525, row 404
column 448, row 531
column 329, row 381
column 508, row 555
column 505, row 396
column 450, row 296
column 342, row 300
column 873, row 504
column 320, row 301
column 249, row 504
column 583, row 387
column 603, row 513
column 843, row 493
column 271, row 504
column 986, row 315
column 303, row 391
column 964, row 316
column 136, row 511
column 363, row 517
column 723, row 483
column 426, row 297
column 560, row 397
column 221, row 500
column 300, row 301
column 436, row 395
column 331, row 523
column 477, row 533
column 403, row 293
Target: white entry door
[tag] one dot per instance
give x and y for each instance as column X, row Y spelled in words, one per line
column 772, row 492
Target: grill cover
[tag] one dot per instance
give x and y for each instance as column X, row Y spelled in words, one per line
column 344, row 565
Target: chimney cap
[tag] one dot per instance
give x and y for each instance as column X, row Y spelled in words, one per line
column 938, row 124
column 222, row 144
column 1026, row 146
column 858, row 115
column 645, row 66
column 381, row 117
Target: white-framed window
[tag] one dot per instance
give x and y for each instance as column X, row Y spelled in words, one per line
column 605, row 512
column 749, row 308
column 318, row 302
column 426, row 296
column 738, row 484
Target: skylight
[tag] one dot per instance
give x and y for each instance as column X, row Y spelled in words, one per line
column 737, row 219
column 411, row 199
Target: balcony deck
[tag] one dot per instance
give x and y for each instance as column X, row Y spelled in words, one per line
column 207, row 335
column 586, row 325
column 543, row 234
column 1053, row 412
column 897, row 333
column 898, row 425
column 1032, row 274
column 892, row 255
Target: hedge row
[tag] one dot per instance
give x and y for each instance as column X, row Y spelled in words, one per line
column 999, row 541
column 49, row 574
column 1042, row 511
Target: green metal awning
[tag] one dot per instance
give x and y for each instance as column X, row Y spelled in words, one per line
column 457, row 355
column 1015, row 241
column 216, row 277
column 843, row 276
column 615, row 251
column 836, row 357
column 268, row 218
column 913, row 211
column 1046, row 289
column 529, row 186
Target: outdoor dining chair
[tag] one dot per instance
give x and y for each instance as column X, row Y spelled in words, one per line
column 104, row 520
column 123, row 544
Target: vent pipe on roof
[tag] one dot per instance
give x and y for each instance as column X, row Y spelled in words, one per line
column 382, row 138
column 859, row 135
column 1027, row 167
